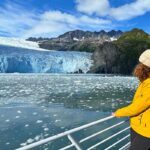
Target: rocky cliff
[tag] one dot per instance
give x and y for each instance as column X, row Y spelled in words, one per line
column 105, row 58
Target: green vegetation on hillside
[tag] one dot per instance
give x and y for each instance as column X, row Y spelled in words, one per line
column 135, row 34
column 128, row 49
column 131, row 45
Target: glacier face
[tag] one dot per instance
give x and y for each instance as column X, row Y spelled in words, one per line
column 33, row 60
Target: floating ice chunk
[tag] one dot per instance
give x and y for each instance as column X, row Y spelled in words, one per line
column 19, row 112
column 46, row 129
column 57, row 120
column 26, row 125
column 17, row 117
column 53, row 99
column 46, row 135
column 78, row 81
column 34, row 113
column 90, row 107
column 7, row 143
column 44, row 126
column 39, row 121
column 7, row 120
column 37, row 137
column 30, row 140
column 23, row 144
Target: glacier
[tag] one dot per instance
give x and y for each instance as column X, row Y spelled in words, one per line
column 20, row 56
column 18, row 42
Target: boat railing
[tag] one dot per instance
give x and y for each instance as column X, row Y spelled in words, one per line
column 77, row 144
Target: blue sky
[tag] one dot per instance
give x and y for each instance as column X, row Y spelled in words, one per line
column 50, row 18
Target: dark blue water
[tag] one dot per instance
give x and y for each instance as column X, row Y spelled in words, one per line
column 36, row 106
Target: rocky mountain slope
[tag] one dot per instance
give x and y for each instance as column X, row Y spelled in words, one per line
column 77, row 40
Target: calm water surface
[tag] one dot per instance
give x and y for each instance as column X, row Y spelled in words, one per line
column 35, row 106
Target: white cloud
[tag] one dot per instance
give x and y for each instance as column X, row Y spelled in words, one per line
column 103, row 8
column 20, row 22
column 15, row 20
column 54, row 23
column 129, row 11
column 99, row 7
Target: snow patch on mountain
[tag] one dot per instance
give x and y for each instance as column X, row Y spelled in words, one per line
column 113, row 38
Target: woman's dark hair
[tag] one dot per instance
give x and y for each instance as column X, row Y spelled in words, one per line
column 142, row 72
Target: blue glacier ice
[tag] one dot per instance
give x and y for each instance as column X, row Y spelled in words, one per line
column 25, row 58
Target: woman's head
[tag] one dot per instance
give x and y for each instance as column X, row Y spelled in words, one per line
column 142, row 70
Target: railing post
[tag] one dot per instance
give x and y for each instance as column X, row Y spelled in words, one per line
column 75, row 143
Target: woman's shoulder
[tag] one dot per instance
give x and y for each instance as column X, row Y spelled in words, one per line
column 146, row 82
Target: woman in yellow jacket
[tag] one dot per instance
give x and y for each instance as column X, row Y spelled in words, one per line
column 139, row 109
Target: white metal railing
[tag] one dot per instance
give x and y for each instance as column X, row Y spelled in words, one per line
column 76, row 144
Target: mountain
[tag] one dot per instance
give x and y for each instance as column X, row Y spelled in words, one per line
column 120, row 56
column 22, row 56
column 79, row 35
column 131, row 45
column 77, row 40
column 111, row 52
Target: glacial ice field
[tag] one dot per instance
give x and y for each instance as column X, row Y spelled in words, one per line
column 22, row 56
column 18, row 42
column 36, row 106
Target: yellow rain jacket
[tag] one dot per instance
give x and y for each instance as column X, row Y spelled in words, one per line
column 139, row 110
